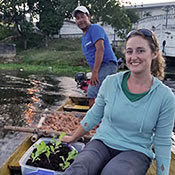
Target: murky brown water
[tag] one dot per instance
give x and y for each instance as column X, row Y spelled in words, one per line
column 24, row 99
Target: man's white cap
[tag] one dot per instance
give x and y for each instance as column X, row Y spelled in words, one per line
column 81, row 9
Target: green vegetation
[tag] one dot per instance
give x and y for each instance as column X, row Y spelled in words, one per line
column 53, row 147
column 71, row 156
column 62, row 57
column 42, row 147
column 57, row 142
column 51, row 14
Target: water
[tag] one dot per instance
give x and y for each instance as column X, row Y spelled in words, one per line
column 24, row 99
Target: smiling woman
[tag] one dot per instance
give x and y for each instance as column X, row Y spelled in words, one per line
column 130, row 126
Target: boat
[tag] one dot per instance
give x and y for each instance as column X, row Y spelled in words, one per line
column 75, row 103
column 164, row 28
column 11, row 165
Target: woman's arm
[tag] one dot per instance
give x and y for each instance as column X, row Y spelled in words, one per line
column 162, row 139
column 92, row 117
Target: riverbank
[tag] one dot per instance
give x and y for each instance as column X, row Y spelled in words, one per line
column 62, row 57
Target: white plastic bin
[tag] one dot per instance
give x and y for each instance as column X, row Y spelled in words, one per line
column 31, row 170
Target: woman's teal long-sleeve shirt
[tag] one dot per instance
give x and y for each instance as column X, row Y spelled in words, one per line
column 138, row 125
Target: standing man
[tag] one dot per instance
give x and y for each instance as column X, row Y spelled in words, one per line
column 97, row 50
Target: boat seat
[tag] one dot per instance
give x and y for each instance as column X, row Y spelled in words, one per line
column 74, row 107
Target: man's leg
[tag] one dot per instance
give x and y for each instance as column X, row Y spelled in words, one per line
column 105, row 69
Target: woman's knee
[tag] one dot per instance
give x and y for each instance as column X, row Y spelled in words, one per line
column 127, row 163
column 118, row 168
column 91, row 160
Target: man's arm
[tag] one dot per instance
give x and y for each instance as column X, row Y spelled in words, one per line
column 99, row 45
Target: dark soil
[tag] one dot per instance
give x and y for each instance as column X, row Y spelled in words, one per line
column 54, row 159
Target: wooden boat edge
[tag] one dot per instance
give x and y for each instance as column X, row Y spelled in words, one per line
column 21, row 149
column 75, row 103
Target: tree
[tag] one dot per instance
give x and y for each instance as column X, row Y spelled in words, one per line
column 14, row 15
column 4, row 32
column 110, row 12
column 132, row 14
column 52, row 14
column 25, row 29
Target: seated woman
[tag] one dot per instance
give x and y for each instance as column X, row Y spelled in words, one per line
column 135, row 111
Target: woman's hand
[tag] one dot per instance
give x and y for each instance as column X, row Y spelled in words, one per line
column 77, row 135
column 68, row 139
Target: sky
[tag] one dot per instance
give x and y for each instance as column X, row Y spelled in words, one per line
column 139, row 2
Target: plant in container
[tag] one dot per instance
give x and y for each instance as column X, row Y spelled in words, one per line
column 49, row 156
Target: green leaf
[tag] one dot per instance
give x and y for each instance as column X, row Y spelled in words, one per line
column 52, row 148
column 58, row 142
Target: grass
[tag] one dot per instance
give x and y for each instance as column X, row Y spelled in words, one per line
column 62, row 57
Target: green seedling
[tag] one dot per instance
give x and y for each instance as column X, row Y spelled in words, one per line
column 40, row 148
column 47, row 153
column 57, row 142
column 66, row 162
column 43, row 148
column 52, row 148
column 34, row 157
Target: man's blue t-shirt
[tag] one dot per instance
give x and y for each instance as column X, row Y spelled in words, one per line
column 93, row 34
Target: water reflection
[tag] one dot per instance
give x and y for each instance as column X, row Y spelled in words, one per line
column 35, row 101
column 23, row 100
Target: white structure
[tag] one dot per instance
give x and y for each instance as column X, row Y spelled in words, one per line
column 161, row 19
column 71, row 30
column 145, row 10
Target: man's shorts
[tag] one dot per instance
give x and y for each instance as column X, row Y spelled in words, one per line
column 105, row 69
